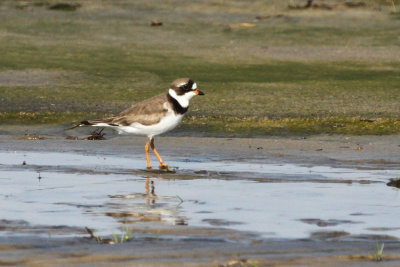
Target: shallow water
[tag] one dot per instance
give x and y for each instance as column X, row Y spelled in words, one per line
column 108, row 193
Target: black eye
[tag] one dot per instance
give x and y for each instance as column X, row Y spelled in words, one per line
column 186, row 87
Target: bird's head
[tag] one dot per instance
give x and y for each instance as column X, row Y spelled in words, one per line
column 183, row 90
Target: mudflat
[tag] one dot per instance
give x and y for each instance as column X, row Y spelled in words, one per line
column 319, row 200
column 285, row 161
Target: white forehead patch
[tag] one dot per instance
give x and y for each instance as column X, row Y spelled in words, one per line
column 194, row 86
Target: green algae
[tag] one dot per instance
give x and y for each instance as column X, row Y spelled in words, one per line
column 85, row 68
column 293, row 126
column 234, row 126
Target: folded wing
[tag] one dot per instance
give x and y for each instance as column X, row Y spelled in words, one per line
column 147, row 112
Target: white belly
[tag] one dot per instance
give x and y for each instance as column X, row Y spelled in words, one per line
column 167, row 123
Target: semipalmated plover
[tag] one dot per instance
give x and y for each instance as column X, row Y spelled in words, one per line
column 153, row 116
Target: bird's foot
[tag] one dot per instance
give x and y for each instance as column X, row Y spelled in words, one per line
column 149, row 167
column 164, row 166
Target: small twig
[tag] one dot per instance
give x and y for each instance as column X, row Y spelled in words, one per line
column 90, row 232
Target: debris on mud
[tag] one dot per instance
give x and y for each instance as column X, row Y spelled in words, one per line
column 98, row 238
column 126, row 236
column 156, row 23
column 395, row 182
column 95, row 135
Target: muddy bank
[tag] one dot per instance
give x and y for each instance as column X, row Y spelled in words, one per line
column 229, row 201
column 197, row 253
column 331, row 150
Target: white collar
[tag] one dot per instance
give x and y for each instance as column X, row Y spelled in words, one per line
column 183, row 100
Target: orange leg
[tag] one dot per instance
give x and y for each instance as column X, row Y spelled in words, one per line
column 146, row 148
column 162, row 164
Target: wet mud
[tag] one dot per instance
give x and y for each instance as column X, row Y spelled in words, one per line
column 103, row 206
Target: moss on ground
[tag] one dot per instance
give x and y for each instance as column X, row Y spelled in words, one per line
column 293, row 126
column 293, row 72
column 233, row 126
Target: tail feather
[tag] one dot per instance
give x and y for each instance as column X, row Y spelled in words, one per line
column 102, row 121
column 93, row 123
column 87, row 123
column 82, row 123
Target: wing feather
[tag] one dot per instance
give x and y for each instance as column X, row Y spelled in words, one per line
column 146, row 112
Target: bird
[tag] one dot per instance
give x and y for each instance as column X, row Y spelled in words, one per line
column 153, row 116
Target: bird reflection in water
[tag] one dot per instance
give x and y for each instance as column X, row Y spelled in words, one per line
column 150, row 195
column 131, row 209
column 168, row 213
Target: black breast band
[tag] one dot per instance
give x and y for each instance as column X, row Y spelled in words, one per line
column 176, row 106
